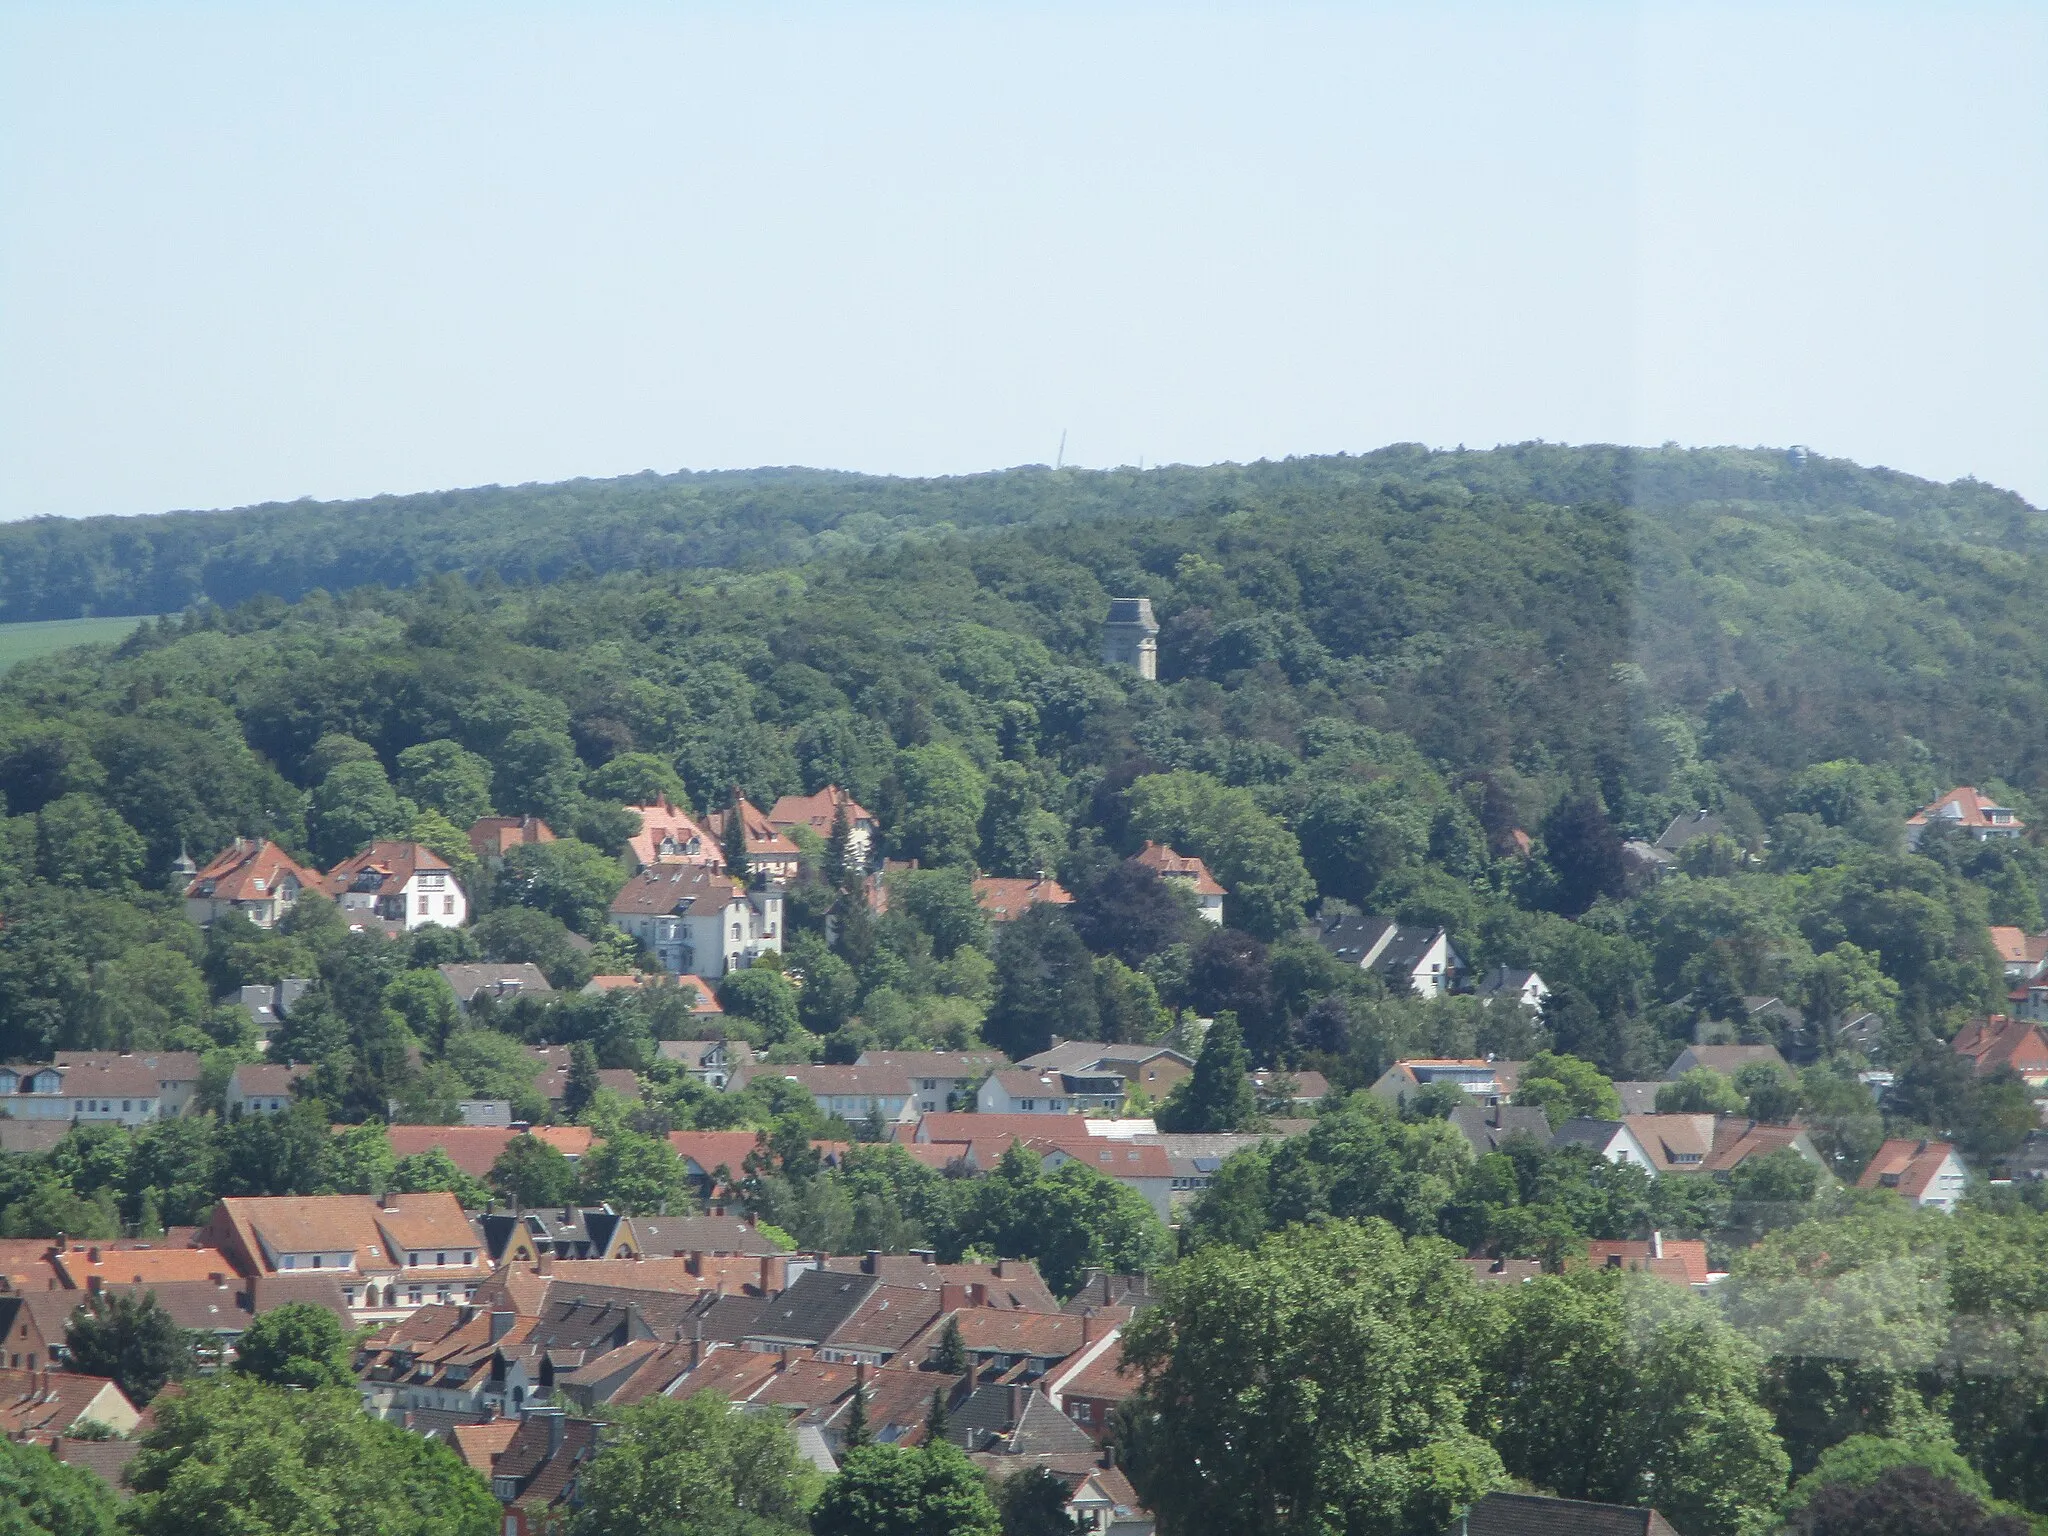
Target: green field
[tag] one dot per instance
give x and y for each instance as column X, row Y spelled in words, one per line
column 24, row 642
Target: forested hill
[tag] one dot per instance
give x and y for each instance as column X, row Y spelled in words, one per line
column 55, row 568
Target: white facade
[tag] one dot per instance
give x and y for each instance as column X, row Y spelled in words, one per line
column 430, row 897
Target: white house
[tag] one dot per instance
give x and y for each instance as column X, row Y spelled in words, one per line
column 1525, row 989
column 1414, row 954
column 1489, row 1082
column 851, row 1093
column 127, row 1089
column 1922, row 1172
column 699, row 921
column 1611, row 1139
column 261, row 1088
column 940, row 1080
column 407, row 885
column 1976, row 816
column 1030, row 1091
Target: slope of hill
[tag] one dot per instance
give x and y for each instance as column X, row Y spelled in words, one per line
column 52, row 568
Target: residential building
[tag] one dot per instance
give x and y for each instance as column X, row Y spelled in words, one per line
column 1680, row 1260
column 820, row 812
column 474, row 1148
column 1091, row 1384
column 254, row 877
column 703, row 998
column 1024, row 1091
column 770, row 855
column 2002, row 1043
column 495, row 836
column 1280, row 1091
column 401, row 885
column 267, row 1005
column 1969, row 812
column 1614, row 1140
column 1485, row 1127
column 1922, row 1172
column 493, row 1114
column 1489, row 1082
column 552, row 1080
column 1525, row 989
column 1416, row 955
column 1130, row 637
column 126, row 1089
column 1194, row 1157
column 457, row 1361
column 174, row 1073
column 711, row 1062
column 499, row 980
column 2023, row 955
column 261, row 1088
column 1005, row 899
column 1539, row 1514
column 1155, row 1068
column 671, row 835
column 1188, row 872
column 35, row 1404
column 939, row 1080
column 1141, row 1167
column 391, row 1257
column 853, row 1094
column 534, row 1477
column 699, row 921
column 1690, row 827
column 1724, row 1059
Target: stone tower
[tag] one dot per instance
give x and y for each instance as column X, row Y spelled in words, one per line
column 1130, row 636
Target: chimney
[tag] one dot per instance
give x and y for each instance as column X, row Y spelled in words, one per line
column 950, row 1297
column 1087, row 1327
column 694, row 1263
column 977, row 1294
column 545, row 1264
column 92, row 1284
column 696, row 1344
column 1016, row 1404
column 501, row 1324
column 999, row 1270
column 1656, row 1245
column 774, row 1274
column 557, row 1423
column 872, row 1262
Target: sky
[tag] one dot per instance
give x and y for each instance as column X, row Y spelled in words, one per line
column 258, row 252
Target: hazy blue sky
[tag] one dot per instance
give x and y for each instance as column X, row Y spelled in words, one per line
column 264, row 251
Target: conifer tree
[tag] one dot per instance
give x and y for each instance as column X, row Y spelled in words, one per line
column 857, row 1431
column 840, row 872
column 951, row 1354
column 734, row 838
column 936, row 1420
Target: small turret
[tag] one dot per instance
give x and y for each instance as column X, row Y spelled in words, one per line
column 1130, row 636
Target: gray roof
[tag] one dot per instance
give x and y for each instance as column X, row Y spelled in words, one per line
column 1594, row 1134
column 1485, row 1127
column 812, row 1308
column 524, row 979
column 1690, row 827
column 678, row 1235
column 1353, row 938
column 1081, row 1055
column 1132, row 610
column 1404, row 951
column 31, row 1135
column 1638, row 1098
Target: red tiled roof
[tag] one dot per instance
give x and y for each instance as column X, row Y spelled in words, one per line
column 667, row 834
column 1970, row 811
column 1004, row 899
column 2000, row 1041
column 763, row 840
column 249, row 870
column 396, row 862
column 818, row 811
column 49, row 1401
column 114, row 1264
column 481, row 1444
column 1169, row 865
column 1906, row 1165
column 1683, row 1259
column 712, row 1150
column 490, row 837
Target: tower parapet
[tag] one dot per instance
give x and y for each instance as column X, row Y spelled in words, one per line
column 1130, row 636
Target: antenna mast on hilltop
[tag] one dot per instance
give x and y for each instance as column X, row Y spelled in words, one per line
column 1059, row 459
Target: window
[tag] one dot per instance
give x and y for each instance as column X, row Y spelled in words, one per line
column 440, row 1258
column 426, row 905
column 316, row 1260
column 1027, row 1104
column 126, row 1105
column 469, row 1258
column 448, row 906
column 412, row 1295
column 290, row 1262
column 412, row 1258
